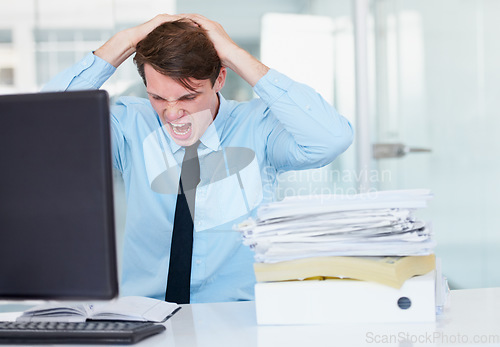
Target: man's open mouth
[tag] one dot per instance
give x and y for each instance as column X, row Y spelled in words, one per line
column 180, row 129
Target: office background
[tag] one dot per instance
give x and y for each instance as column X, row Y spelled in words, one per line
column 433, row 81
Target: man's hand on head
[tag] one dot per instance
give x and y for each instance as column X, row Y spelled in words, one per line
column 223, row 44
column 137, row 33
column 122, row 45
column 230, row 54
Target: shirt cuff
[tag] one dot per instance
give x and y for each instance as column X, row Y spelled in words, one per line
column 272, row 86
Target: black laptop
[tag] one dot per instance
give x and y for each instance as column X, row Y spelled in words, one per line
column 57, row 234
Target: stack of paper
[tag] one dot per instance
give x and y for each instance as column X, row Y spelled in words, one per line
column 343, row 258
column 372, row 224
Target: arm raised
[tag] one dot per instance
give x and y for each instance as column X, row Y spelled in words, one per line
column 122, row 45
column 231, row 55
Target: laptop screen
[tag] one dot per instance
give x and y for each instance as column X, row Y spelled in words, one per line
column 57, row 236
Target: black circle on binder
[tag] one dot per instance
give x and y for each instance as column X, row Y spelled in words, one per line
column 404, row 303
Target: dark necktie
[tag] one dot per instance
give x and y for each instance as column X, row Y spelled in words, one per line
column 181, row 250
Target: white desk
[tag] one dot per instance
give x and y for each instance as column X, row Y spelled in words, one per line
column 471, row 314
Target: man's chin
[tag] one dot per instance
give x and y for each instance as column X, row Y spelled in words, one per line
column 185, row 142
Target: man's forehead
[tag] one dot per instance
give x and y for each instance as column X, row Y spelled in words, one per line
column 156, row 80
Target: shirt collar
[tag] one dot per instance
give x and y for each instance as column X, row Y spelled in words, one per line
column 211, row 138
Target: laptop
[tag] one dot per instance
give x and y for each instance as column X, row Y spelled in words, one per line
column 57, row 232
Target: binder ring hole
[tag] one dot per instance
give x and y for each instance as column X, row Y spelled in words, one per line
column 404, row 303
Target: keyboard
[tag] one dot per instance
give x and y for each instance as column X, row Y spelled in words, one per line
column 99, row 332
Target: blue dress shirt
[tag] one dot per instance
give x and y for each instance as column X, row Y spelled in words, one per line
column 289, row 127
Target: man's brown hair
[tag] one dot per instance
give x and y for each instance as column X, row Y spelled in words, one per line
column 180, row 50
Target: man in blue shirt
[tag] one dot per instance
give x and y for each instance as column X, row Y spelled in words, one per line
column 243, row 146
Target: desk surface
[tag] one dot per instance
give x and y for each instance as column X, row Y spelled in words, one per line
column 472, row 318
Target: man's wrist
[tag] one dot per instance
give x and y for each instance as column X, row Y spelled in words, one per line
column 117, row 49
column 246, row 66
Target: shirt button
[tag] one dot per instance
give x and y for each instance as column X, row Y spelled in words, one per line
column 276, row 80
column 198, row 261
column 308, row 107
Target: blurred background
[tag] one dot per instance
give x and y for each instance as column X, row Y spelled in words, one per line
column 419, row 80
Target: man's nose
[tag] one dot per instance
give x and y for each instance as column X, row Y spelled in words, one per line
column 172, row 111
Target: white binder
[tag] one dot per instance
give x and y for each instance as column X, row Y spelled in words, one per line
column 343, row 300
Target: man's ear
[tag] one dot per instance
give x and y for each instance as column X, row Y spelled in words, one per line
column 221, row 79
